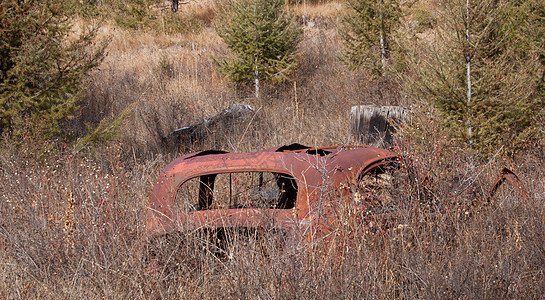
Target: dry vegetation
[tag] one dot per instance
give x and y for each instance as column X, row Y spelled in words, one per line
column 71, row 222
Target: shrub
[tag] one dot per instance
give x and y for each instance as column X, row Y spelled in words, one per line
column 263, row 38
column 368, row 31
column 42, row 66
column 484, row 74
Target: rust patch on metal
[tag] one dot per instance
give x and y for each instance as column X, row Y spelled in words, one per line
column 513, row 179
column 291, row 188
column 297, row 178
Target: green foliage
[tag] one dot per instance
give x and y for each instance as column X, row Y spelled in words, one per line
column 506, row 107
column 368, row 32
column 42, row 65
column 263, row 38
column 105, row 131
column 422, row 20
column 173, row 23
column 131, row 14
column 139, row 15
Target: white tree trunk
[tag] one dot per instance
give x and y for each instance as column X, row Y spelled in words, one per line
column 468, row 75
column 256, row 81
column 382, row 42
column 382, row 51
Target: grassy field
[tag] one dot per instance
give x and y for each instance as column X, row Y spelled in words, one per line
column 71, row 221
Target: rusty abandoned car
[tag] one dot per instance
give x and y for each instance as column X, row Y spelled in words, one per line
column 292, row 191
column 287, row 189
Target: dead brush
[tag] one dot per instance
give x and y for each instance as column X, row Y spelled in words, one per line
column 456, row 241
column 444, row 244
column 69, row 226
column 448, row 240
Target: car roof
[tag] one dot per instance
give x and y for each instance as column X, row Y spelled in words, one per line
column 308, row 165
column 282, row 159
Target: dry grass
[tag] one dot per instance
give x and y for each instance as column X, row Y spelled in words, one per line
column 71, row 226
column 174, row 81
column 319, row 10
column 71, row 223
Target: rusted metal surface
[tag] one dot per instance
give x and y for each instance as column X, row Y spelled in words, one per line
column 312, row 181
column 513, row 179
column 321, row 178
column 315, row 172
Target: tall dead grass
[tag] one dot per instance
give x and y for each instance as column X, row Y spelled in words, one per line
column 174, row 81
column 71, row 222
column 71, row 227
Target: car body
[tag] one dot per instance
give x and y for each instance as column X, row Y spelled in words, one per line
column 288, row 188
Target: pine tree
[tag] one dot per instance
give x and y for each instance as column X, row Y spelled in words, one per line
column 42, row 65
column 368, row 32
column 263, row 38
column 482, row 75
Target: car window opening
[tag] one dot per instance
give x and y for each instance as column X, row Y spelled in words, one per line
column 206, row 188
column 264, row 190
column 292, row 147
column 373, row 189
column 319, row 152
column 205, row 153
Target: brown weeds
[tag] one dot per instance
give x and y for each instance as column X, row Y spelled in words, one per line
column 71, row 223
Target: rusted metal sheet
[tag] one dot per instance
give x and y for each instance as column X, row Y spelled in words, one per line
column 311, row 182
column 315, row 172
column 513, row 179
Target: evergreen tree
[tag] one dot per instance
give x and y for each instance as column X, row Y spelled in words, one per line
column 263, row 38
column 483, row 74
column 42, row 65
column 368, row 32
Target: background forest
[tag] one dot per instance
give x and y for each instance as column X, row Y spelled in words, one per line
column 91, row 93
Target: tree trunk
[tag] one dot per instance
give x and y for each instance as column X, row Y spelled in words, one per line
column 383, row 54
column 468, row 76
column 374, row 125
column 256, row 81
column 382, row 51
